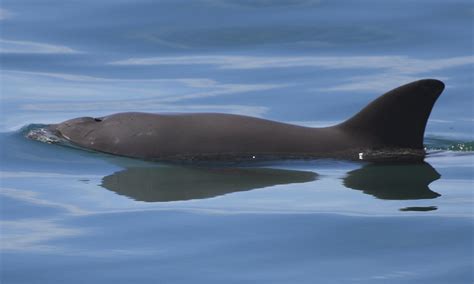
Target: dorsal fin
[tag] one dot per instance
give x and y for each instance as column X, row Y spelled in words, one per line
column 397, row 118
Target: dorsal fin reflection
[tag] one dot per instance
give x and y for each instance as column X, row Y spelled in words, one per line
column 394, row 181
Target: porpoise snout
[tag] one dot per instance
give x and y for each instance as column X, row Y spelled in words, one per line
column 74, row 128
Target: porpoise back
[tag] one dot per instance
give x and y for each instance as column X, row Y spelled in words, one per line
column 391, row 127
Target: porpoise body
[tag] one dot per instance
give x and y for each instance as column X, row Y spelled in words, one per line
column 390, row 127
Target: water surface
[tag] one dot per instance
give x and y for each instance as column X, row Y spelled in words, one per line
column 74, row 216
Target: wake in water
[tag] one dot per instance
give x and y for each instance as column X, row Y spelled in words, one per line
column 42, row 134
column 435, row 143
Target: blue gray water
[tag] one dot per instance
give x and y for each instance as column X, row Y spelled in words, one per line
column 74, row 216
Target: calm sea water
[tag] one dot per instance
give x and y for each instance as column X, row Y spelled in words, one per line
column 74, row 216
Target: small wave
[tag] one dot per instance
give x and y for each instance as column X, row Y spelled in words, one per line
column 436, row 144
column 41, row 133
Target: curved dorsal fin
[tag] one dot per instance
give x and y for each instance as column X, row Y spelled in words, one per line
column 397, row 118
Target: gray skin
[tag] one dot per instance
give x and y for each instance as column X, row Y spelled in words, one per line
column 393, row 123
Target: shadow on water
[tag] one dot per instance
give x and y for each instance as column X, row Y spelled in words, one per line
column 160, row 184
column 394, row 181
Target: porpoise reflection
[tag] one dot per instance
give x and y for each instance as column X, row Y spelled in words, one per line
column 419, row 208
column 160, row 184
column 394, row 181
